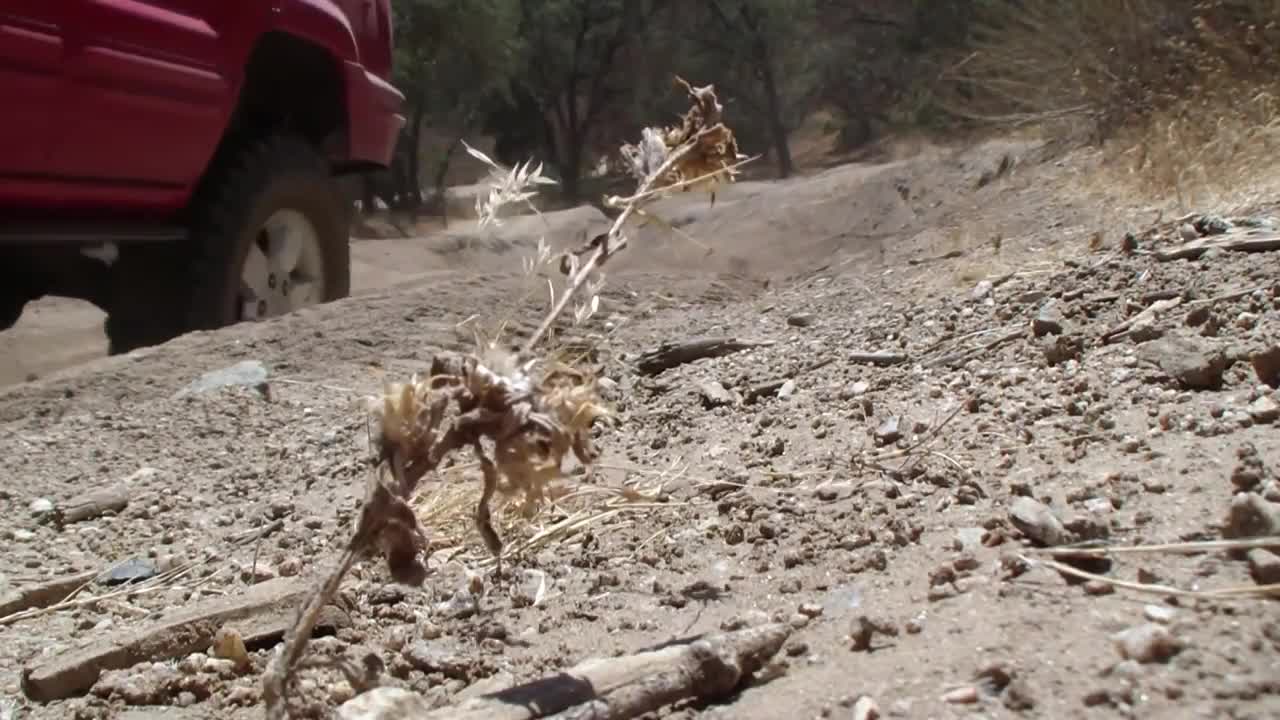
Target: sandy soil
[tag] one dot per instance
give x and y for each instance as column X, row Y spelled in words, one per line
column 906, row 503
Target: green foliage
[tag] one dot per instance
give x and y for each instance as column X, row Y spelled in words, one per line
column 453, row 55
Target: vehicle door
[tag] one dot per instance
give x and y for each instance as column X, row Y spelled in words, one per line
column 148, row 91
column 31, row 55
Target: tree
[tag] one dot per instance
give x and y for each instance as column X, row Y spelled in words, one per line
column 763, row 55
column 569, row 75
column 453, row 58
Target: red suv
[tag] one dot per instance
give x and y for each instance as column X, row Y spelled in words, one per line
column 177, row 162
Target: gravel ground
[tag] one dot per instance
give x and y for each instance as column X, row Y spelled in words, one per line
column 946, row 378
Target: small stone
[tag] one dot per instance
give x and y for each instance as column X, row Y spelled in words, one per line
column 866, row 709
column 1247, row 320
column 1264, row 566
column 1264, row 410
column 1098, row 587
column 289, row 567
column 802, row 319
column 787, row 390
column 1048, row 320
column 248, row 373
column 1146, row 643
column 228, row 645
column 865, row 628
column 1019, row 696
column 890, row 430
column 1191, row 361
column 961, row 696
column 1266, row 364
column 258, row 572
column 41, row 508
column 1250, row 472
column 1035, row 520
column 983, row 289
column 1188, row 232
column 715, row 395
column 812, row 610
column 1251, row 516
column 429, row 659
column 858, row 388
column 1159, row 614
column 129, row 571
column 1058, row 349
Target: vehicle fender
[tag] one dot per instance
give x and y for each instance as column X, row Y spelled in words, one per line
column 317, row 21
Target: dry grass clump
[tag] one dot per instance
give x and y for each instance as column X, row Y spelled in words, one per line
column 1182, row 91
column 520, row 414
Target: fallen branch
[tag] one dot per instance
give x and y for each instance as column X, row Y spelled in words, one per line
column 1167, row 590
column 1147, row 316
column 669, row 355
column 963, row 356
column 91, row 505
column 43, row 595
column 881, row 359
column 1252, row 240
column 1183, row 548
column 707, row 669
column 75, row 671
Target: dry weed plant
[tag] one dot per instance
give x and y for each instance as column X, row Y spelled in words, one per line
column 520, row 414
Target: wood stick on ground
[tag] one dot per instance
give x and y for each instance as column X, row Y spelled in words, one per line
column 75, row 671
column 1151, row 314
column 1181, row 548
column 962, row 356
column 707, row 669
column 43, row 594
column 669, row 355
column 880, row 359
column 1253, row 240
column 92, row 504
column 1272, row 590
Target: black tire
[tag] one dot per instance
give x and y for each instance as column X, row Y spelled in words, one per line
column 14, row 293
column 227, row 214
column 11, row 310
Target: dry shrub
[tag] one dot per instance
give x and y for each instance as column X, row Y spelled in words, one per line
column 1183, row 93
column 520, row 414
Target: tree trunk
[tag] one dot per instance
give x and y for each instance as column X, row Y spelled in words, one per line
column 773, row 105
column 442, row 172
column 368, row 198
column 571, row 168
column 415, row 156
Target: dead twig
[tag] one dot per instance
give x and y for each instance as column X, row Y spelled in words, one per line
column 669, row 355
column 1260, row 591
column 616, row 688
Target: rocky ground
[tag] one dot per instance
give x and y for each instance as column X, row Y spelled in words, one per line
column 912, row 424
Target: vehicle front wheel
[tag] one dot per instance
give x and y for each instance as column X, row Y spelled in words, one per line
column 269, row 236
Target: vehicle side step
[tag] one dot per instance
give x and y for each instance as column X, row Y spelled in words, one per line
column 88, row 234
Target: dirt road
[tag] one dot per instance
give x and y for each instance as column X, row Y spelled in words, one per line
column 955, row 381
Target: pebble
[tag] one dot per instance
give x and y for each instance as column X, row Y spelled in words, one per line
column 1251, row 515
column 1266, row 365
column 1146, row 643
column 40, row 507
column 866, row 709
column 966, row 695
column 1159, row 614
column 802, row 319
column 1264, row 566
column 1035, row 520
column 1265, row 410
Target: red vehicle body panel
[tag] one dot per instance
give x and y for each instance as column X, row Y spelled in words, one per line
column 118, row 105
